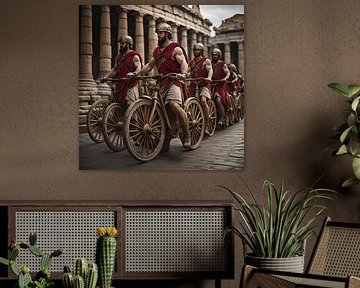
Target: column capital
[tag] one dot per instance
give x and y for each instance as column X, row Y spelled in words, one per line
column 139, row 14
column 120, row 9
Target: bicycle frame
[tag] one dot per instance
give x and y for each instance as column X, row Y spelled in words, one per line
column 157, row 98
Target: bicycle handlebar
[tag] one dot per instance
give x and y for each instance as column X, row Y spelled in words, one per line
column 155, row 77
column 197, row 79
column 217, row 81
column 159, row 76
column 114, row 79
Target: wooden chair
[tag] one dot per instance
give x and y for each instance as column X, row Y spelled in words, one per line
column 335, row 262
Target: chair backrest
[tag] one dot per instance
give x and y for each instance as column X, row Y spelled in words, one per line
column 337, row 251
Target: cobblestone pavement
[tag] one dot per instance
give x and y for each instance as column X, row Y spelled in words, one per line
column 223, row 151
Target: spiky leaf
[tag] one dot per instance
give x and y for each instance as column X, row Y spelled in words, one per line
column 45, row 261
column 280, row 228
column 13, row 253
column 24, row 280
column 14, row 268
column 36, row 251
column 4, row 261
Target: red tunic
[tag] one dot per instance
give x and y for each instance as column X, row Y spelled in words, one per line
column 198, row 71
column 232, row 86
column 220, row 87
column 240, row 85
column 125, row 65
column 165, row 64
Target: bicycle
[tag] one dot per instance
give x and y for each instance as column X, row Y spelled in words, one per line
column 147, row 121
column 212, row 107
column 113, row 122
column 233, row 102
column 95, row 118
column 105, row 120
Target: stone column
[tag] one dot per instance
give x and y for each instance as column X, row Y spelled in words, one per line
column 241, row 57
column 206, row 47
column 184, row 39
column 105, row 51
column 87, row 85
column 227, row 53
column 139, row 35
column 193, row 42
column 175, row 31
column 123, row 25
column 152, row 37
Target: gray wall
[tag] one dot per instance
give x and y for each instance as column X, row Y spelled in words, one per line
column 293, row 50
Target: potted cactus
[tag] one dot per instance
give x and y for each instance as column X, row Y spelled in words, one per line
column 42, row 278
column 84, row 275
column 106, row 254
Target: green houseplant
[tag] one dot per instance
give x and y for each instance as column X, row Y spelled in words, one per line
column 42, row 278
column 279, row 229
column 348, row 132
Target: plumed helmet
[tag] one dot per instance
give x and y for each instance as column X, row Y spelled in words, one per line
column 126, row 39
column 216, row 51
column 233, row 67
column 164, row 27
column 198, row 46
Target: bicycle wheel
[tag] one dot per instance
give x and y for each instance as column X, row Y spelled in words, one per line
column 196, row 121
column 113, row 127
column 212, row 117
column 144, row 137
column 95, row 118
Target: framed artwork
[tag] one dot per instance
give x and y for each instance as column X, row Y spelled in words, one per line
column 161, row 87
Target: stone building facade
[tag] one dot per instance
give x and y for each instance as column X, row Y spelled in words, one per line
column 101, row 26
column 229, row 38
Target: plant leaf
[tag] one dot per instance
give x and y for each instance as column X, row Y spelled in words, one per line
column 354, row 146
column 351, row 120
column 353, row 89
column 345, row 134
column 355, row 103
column 356, row 167
column 340, row 88
column 342, row 150
column 4, row 261
column 349, row 182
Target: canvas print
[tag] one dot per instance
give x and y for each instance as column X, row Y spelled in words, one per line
column 161, row 87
